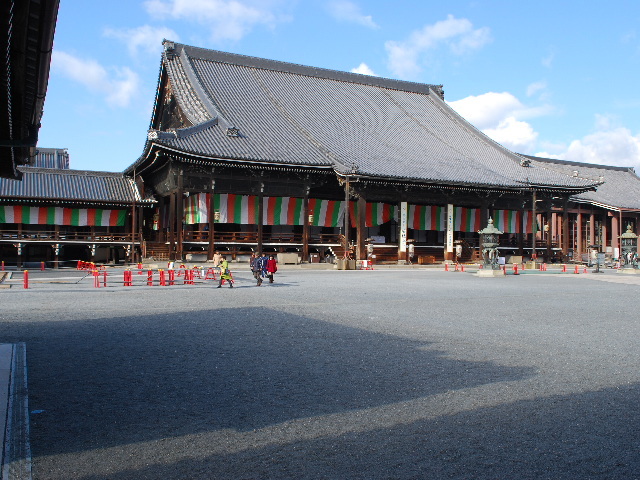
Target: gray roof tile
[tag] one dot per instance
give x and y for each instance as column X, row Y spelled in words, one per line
column 70, row 185
column 620, row 190
column 292, row 114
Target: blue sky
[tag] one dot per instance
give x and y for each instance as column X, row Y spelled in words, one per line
column 550, row 78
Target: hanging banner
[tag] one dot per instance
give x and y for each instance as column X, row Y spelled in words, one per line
column 79, row 217
column 283, row 211
column 243, row 209
column 467, row 219
column 403, row 226
column 326, row 213
column 426, row 217
column 376, row 213
column 450, row 226
column 196, row 208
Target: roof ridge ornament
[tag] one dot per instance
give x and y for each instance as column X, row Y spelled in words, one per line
column 169, row 48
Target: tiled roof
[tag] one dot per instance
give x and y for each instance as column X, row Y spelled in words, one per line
column 376, row 127
column 620, row 190
column 70, row 185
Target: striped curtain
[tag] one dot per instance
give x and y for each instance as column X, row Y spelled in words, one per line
column 196, row 208
column 467, row 219
column 326, row 213
column 79, row 217
column 376, row 213
column 283, row 211
column 243, row 209
column 513, row 221
column 427, row 217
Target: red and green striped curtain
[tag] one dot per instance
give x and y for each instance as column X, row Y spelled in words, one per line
column 233, row 208
column 196, row 208
column 326, row 213
column 467, row 219
column 376, row 213
column 283, row 211
column 427, row 217
column 244, row 209
column 79, row 217
column 513, row 221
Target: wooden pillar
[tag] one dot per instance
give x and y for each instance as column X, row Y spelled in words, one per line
column 592, row 229
column 579, row 240
column 306, row 225
column 534, row 227
column 604, row 234
column 523, row 231
column 615, row 231
column 565, row 228
column 260, row 215
column 179, row 217
column 172, row 225
column 361, row 229
column 211, row 248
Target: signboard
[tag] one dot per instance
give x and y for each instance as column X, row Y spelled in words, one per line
column 450, row 227
column 403, row 226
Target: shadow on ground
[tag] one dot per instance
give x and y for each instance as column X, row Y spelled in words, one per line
column 583, row 436
column 119, row 381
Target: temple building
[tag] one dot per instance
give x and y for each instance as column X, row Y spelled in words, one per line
column 246, row 155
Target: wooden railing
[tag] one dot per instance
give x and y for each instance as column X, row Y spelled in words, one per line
column 61, row 236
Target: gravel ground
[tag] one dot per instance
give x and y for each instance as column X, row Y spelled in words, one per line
column 385, row 374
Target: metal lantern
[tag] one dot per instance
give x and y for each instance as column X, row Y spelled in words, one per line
column 629, row 249
column 489, row 241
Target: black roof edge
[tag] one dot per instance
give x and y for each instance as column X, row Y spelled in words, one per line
column 578, row 164
column 69, row 171
column 280, row 66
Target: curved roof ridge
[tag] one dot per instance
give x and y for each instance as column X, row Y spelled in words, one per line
column 318, row 72
column 578, row 164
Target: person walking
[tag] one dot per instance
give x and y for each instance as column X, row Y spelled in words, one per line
column 272, row 267
column 217, row 258
column 256, row 269
column 225, row 274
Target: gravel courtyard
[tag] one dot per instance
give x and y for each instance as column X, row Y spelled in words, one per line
column 385, row 374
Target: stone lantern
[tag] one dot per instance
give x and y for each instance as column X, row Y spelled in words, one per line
column 629, row 251
column 489, row 241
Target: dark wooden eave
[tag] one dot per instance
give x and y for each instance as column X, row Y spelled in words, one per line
column 26, row 33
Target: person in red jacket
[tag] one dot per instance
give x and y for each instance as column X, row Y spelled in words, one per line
column 272, row 267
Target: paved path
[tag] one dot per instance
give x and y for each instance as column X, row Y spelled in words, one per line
column 390, row 374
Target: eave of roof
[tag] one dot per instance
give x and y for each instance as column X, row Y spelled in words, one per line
column 25, row 76
column 292, row 114
column 619, row 187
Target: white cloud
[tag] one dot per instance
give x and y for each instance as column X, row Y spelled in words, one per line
column 548, row 60
column 613, row 146
column 516, row 135
column 364, row 69
column 535, row 88
column 118, row 84
column 457, row 34
column 350, row 12
column 226, row 19
column 489, row 109
column 500, row 117
column 145, row 38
